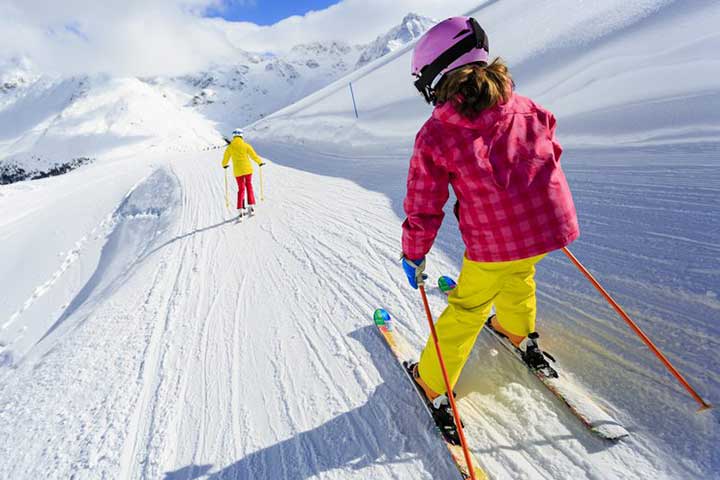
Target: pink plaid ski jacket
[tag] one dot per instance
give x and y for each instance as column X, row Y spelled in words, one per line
column 504, row 166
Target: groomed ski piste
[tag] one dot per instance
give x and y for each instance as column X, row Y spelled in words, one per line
column 146, row 334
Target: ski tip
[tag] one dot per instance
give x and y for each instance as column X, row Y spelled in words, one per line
column 446, row 284
column 611, row 431
column 382, row 318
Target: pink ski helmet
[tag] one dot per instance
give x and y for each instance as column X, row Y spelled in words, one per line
column 450, row 44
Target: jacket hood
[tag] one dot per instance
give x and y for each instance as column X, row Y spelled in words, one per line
column 447, row 113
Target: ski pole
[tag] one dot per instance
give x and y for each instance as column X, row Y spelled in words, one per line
column 227, row 198
column 262, row 192
column 703, row 404
column 451, row 397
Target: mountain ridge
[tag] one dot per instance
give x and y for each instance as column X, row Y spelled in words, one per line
column 59, row 125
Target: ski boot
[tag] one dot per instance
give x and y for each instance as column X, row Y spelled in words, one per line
column 241, row 214
column 439, row 408
column 533, row 357
column 251, row 210
column 536, row 358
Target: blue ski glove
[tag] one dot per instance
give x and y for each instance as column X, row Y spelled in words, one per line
column 414, row 270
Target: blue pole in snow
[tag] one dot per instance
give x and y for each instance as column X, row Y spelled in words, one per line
column 352, row 94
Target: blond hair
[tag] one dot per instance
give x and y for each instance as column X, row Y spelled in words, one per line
column 475, row 87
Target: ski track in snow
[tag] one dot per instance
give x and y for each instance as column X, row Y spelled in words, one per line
column 186, row 335
column 70, row 258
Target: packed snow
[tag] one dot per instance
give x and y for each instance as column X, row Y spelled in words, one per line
column 145, row 333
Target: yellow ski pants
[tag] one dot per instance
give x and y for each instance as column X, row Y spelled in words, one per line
column 510, row 286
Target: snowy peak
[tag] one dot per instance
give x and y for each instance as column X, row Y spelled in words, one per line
column 319, row 49
column 242, row 93
column 282, row 69
column 411, row 28
column 16, row 73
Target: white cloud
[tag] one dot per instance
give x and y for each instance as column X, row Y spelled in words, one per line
column 117, row 37
column 137, row 37
column 355, row 21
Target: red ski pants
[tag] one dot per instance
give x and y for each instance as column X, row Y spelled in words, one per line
column 245, row 182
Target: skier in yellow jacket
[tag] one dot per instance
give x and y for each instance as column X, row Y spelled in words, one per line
column 241, row 152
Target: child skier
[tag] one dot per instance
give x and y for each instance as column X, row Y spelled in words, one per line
column 241, row 152
column 498, row 151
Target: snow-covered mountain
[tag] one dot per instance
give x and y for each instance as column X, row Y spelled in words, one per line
column 15, row 74
column 258, row 85
column 411, row 27
column 51, row 125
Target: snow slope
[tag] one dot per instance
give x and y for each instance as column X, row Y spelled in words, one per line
column 144, row 334
column 210, row 349
column 51, row 122
column 619, row 74
column 640, row 125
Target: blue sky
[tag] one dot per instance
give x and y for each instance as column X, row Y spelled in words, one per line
column 267, row 12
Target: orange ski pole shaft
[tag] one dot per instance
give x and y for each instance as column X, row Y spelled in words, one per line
column 227, row 198
column 451, row 397
column 262, row 191
column 703, row 404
